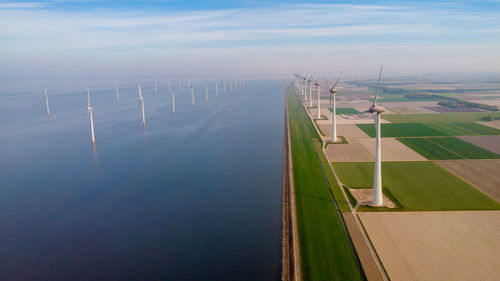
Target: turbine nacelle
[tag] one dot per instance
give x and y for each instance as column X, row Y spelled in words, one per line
column 375, row 108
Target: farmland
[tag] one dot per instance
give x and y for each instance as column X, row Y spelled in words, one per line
column 463, row 129
column 446, row 148
column 348, row 110
column 401, row 130
column 438, row 118
column 437, row 190
column 436, row 245
column 325, row 253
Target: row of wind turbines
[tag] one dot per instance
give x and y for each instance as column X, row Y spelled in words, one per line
column 238, row 83
column 375, row 109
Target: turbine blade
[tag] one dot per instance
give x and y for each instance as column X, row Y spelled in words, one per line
column 336, row 83
column 328, row 83
column 378, row 85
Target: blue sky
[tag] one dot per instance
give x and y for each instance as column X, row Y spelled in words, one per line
column 86, row 38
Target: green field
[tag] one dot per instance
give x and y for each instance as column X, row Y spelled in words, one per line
column 401, row 130
column 463, row 129
column 446, row 148
column 465, row 117
column 394, row 130
column 418, row 186
column 348, row 110
column 324, row 248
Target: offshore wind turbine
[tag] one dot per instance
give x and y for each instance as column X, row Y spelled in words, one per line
column 172, row 93
column 141, row 101
column 192, row 93
column 224, row 83
column 230, row 85
column 333, row 91
column 206, row 92
column 156, row 88
column 117, row 94
column 88, row 99
column 318, row 106
column 377, row 181
column 89, row 108
column 216, row 89
column 47, row 102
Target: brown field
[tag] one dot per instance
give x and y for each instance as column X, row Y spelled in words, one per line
column 363, row 150
column 491, row 143
column 482, row 174
column 346, row 130
column 494, row 124
column 436, row 245
column 409, row 107
column 488, row 102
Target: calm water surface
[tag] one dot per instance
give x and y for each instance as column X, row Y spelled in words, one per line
column 193, row 196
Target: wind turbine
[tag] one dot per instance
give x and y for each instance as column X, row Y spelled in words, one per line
column 333, row 91
column 230, row 85
column 192, row 93
column 318, row 107
column 141, row 101
column 224, row 82
column 310, row 91
column 172, row 93
column 156, row 89
column 377, row 181
column 47, row 101
column 89, row 108
column 206, row 91
column 117, row 94
column 88, row 99
column 216, row 89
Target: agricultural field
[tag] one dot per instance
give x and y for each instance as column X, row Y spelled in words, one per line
column 401, row 130
column 482, row 174
column 491, row 143
column 463, row 129
column 325, row 253
column 446, row 148
column 423, row 186
column 348, row 110
column 436, row 245
column 438, row 118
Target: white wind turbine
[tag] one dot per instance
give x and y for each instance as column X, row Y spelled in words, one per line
column 230, row 85
column 89, row 108
column 318, row 106
column 141, row 101
column 88, row 99
column 310, row 91
column 377, row 181
column 333, row 91
column 206, row 92
column 47, row 102
column 117, row 94
column 304, row 89
column 192, row 93
column 172, row 93
column 216, row 89
column 156, row 88
column 224, row 83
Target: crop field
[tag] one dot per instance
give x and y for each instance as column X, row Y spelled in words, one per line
column 348, row 110
column 446, row 148
column 392, row 130
column 436, row 245
column 438, row 118
column 423, row 186
column 482, row 174
column 324, row 248
column 491, row 143
column 463, row 129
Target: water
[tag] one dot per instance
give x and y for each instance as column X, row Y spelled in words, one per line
column 193, row 196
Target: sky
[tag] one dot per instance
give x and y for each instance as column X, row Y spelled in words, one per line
column 87, row 38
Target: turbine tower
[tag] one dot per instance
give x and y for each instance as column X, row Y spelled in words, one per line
column 192, row 93
column 377, row 181
column 318, row 107
column 156, row 88
column 117, row 94
column 224, row 83
column 172, row 93
column 88, row 99
column 89, row 107
column 47, row 101
column 141, row 101
column 206, row 91
column 216, row 89
column 333, row 91
column 230, row 85
column 310, row 91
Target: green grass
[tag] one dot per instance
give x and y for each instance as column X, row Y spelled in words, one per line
column 401, row 130
column 464, row 117
column 324, row 248
column 418, row 186
column 347, row 111
column 447, row 148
